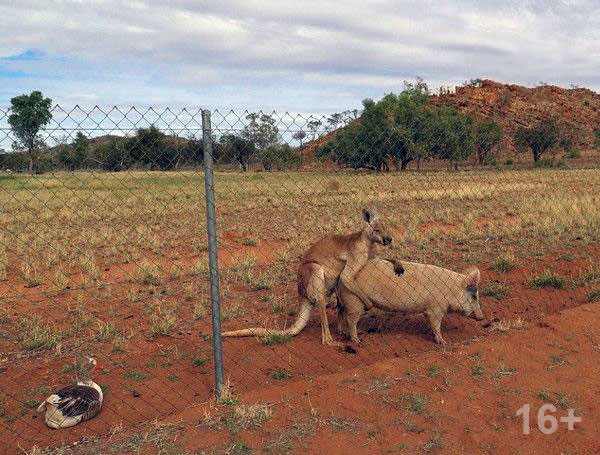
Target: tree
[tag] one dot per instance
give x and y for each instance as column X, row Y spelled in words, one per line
column 299, row 136
column 261, row 130
column 235, row 148
column 280, row 157
column 313, row 126
column 539, row 138
column 334, row 120
column 487, row 136
column 396, row 128
column 81, row 146
column 113, row 155
column 452, row 136
column 30, row 113
column 75, row 155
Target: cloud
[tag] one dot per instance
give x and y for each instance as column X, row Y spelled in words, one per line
column 310, row 56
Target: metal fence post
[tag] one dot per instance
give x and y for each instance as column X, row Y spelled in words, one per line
column 213, row 261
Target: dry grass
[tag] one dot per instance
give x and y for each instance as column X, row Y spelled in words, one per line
column 149, row 273
column 162, row 319
column 504, row 325
column 3, row 260
column 121, row 225
column 548, row 279
column 37, row 335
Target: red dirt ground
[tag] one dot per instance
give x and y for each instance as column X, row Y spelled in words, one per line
column 365, row 410
column 389, row 341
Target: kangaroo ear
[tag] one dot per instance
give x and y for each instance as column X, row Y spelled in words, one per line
column 370, row 214
column 367, row 215
column 471, row 278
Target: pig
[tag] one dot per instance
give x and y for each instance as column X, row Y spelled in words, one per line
column 422, row 288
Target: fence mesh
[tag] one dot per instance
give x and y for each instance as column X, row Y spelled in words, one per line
column 103, row 249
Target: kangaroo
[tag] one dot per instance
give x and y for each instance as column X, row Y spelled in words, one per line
column 331, row 259
column 422, row 288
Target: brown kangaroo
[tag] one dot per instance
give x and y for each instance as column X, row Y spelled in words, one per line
column 331, row 258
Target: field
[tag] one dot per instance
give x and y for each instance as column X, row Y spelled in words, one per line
column 115, row 265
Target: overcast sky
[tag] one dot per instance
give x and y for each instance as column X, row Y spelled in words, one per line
column 309, row 56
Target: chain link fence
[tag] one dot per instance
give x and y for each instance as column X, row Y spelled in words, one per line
column 104, row 247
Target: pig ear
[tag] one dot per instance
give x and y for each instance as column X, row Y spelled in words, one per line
column 471, row 278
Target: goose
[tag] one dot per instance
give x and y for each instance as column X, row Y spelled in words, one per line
column 75, row 403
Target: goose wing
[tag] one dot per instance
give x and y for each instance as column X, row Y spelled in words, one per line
column 78, row 400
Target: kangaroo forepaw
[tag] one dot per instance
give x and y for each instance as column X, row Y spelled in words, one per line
column 398, row 269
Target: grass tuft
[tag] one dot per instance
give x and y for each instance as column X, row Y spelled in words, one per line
column 36, row 335
column 548, row 279
column 274, row 338
column 496, row 290
column 281, row 375
column 504, row 263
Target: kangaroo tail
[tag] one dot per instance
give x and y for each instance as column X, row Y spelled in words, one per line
column 294, row 330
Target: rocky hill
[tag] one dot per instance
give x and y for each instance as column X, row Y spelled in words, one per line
column 513, row 106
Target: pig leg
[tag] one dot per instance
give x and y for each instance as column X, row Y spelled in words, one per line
column 435, row 319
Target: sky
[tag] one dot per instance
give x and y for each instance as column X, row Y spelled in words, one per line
column 308, row 56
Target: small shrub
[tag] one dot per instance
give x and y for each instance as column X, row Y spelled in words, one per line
column 590, row 275
column 274, row 338
column 433, row 371
column 136, row 375
column 504, row 325
column 119, row 344
column 231, row 311
column 280, row 375
column 548, row 279
column 200, row 268
column 149, row 273
column 594, row 296
column 199, row 311
column 30, row 273
column 415, row 402
column 504, row 263
column 496, row 290
column 31, row 403
column 90, row 270
column 106, row 331
column 477, row 370
column 36, row 335
column 162, row 320
column 175, row 271
column 198, row 362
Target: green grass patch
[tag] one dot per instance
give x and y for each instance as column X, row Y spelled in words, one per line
column 504, row 263
column 477, row 370
column 36, row 335
column 274, row 338
column 136, row 375
column 496, row 290
column 415, row 402
column 281, row 375
column 548, row 279
column 198, row 362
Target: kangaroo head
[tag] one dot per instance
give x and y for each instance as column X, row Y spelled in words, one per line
column 469, row 304
column 375, row 228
